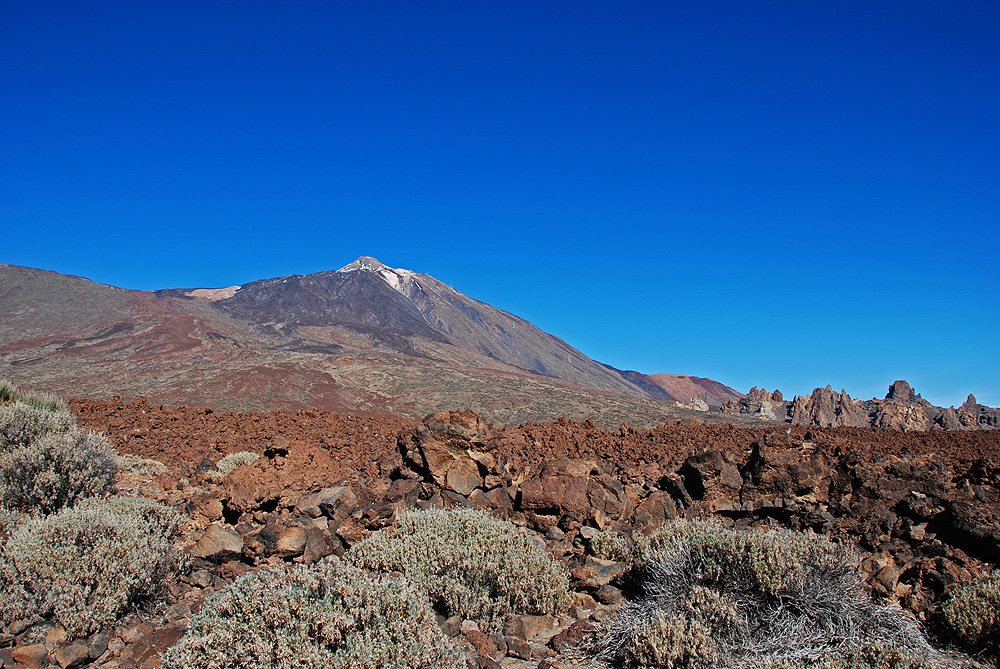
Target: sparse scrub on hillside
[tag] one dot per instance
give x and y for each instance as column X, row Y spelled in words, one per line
column 22, row 422
column 973, row 612
column 56, row 470
column 717, row 597
column 468, row 563
column 331, row 614
column 85, row 565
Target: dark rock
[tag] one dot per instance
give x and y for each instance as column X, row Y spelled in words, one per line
column 709, row 477
column 572, row 636
column 900, row 391
column 98, row 645
column 609, row 595
column 336, row 503
column 654, row 511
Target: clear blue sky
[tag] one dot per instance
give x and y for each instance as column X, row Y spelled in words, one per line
column 785, row 194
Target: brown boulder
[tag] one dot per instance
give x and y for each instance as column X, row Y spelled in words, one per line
column 654, row 511
column 448, row 449
column 336, row 503
column 567, row 487
column 709, row 477
column 218, row 543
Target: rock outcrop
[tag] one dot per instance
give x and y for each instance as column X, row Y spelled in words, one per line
column 901, row 409
column 759, row 402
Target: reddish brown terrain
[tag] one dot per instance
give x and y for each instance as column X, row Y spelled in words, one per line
column 922, row 507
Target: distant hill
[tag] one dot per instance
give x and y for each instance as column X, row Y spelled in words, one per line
column 366, row 339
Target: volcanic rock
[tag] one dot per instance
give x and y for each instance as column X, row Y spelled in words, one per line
column 217, row 543
column 711, row 479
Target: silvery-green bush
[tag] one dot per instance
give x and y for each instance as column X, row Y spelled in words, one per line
column 328, row 615
column 86, row 565
column 10, row 393
column 56, row 470
column 229, row 463
column 973, row 611
column 133, row 464
column 468, row 563
column 22, row 422
column 718, row 597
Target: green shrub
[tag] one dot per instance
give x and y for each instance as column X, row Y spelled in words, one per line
column 85, row 565
column 973, row 612
column 469, row 564
column 229, row 463
column 717, row 597
column 22, row 422
column 9, row 393
column 56, row 470
column 610, row 545
column 331, row 614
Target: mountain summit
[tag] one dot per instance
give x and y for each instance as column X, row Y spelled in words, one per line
column 369, row 297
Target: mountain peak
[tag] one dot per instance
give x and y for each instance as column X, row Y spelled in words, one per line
column 364, row 263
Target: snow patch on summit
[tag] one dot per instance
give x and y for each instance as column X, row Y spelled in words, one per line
column 391, row 275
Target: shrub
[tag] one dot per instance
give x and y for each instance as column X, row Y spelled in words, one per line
column 133, row 464
column 331, row 614
column 469, row 564
column 973, row 612
column 229, row 463
column 56, row 470
column 22, row 422
column 9, row 520
column 9, row 393
column 86, row 565
column 717, row 597
column 610, row 545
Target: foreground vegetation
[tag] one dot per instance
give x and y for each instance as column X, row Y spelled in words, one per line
column 74, row 551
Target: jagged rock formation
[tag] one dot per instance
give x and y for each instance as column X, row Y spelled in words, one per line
column 902, row 409
column 760, row 403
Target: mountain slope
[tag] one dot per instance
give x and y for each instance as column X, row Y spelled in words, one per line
column 366, row 339
column 367, row 296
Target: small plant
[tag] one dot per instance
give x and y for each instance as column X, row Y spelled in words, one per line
column 9, row 393
column 973, row 612
column 133, row 464
column 468, row 563
column 22, row 422
column 610, row 545
column 56, row 470
column 85, row 565
column 717, row 597
column 9, row 520
column 229, row 463
column 331, row 614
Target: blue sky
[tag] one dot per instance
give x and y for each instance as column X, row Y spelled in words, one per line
column 783, row 194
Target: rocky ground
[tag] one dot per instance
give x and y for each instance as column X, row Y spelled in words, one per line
column 923, row 507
